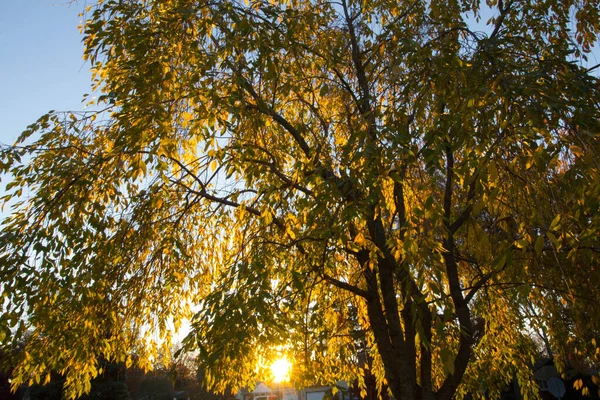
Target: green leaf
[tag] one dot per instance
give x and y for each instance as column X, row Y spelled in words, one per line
column 493, row 171
column 553, row 239
column 500, row 261
column 539, row 245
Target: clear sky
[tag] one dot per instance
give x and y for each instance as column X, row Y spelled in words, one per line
column 41, row 65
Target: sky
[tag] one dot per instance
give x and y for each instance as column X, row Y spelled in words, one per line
column 41, row 65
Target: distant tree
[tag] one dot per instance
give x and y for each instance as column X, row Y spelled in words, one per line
column 280, row 163
column 183, row 370
column 155, row 387
column 6, row 368
column 108, row 385
column 50, row 390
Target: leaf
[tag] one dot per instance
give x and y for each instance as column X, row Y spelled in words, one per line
column 478, row 207
column 500, row 261
column 585, row 391
column 448, row 362
column 360, row 240
column 553, row 239
column 539, row 245
column 493, row 171
column 267, row 216
column 522, row 243
column 555, row 223
column 576, row 150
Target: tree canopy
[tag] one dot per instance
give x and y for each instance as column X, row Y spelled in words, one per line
column 333, row 180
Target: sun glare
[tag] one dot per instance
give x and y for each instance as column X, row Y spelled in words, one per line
column 281, row 370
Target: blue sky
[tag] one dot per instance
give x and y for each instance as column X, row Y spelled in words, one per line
column 41, row 65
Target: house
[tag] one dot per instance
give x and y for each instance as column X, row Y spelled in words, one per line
column 285, row 392
column 548, row 380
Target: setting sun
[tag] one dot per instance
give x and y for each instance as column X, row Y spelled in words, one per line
column 281, row 370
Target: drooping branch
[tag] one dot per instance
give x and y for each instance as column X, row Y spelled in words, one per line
column 346, row 187
column 365, row 98
column 400, row 205
column 448, row 189
column 500, row 19
column 284, row 123
column 346, row 286
column 285, row 179
column 466, row 213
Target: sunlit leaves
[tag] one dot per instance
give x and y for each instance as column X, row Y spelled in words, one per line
column 323, row 179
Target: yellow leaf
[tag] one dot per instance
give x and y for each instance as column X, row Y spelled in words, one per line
column 554, row 223
column 360, row 239
column 187, row 116
column 576, row 150
column 291, row 233
column 521, row 244
column 267, row 216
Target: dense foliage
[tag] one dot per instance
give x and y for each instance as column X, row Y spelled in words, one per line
column 333, row 180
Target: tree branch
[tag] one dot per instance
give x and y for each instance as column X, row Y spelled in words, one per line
column 267, row 110
column 466, row 213
column 346, row 286
column 463, row 313
column 501, row 17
